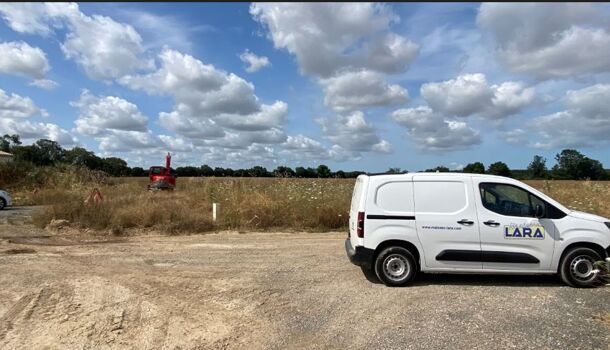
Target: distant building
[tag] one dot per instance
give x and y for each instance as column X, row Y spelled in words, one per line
column 5, row 157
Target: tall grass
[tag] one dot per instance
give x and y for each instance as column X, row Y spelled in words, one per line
column 244, row 203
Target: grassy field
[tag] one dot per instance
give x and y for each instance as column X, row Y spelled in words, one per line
column 245, row 203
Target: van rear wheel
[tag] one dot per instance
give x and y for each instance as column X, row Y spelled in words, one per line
column 577, row 268
column 395, row 266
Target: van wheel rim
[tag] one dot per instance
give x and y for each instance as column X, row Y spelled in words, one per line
column 396, row 267
column 582, row 269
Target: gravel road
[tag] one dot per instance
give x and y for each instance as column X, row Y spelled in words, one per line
column 265, row 291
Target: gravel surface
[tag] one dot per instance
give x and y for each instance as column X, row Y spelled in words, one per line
column 266, row 291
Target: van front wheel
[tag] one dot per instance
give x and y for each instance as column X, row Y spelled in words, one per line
column 395, row 266
column 577, row 268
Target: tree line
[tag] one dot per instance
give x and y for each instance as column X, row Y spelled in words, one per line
column 570, row 165
column 48, row 153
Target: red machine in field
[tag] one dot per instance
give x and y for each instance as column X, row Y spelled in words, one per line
column 162, row 178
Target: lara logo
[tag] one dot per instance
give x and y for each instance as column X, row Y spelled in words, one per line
column 533, row 231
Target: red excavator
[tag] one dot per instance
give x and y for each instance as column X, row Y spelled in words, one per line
column 162, row 178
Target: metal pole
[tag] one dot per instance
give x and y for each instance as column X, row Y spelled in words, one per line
column 214, row 211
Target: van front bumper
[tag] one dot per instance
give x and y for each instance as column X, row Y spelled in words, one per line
column 360, row 256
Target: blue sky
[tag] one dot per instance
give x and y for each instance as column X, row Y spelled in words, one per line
column 353, row 86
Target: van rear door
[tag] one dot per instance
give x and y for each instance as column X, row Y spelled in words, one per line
column 358, row 199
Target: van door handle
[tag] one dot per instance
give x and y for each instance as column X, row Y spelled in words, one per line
column 465, row 222
column 491, row 223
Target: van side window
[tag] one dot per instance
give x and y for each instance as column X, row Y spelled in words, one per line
column 511, row 200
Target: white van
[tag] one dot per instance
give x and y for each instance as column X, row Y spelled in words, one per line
column 469, row 223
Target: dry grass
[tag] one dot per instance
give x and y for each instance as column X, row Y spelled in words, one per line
column 245, row 203
column 588, row 196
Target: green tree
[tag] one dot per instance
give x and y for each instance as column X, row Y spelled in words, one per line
column 50, row 152
column 206, row 170
column 474, row 168
column 438, row 169
column 283, row 171
column 339, row 174
column 138, row 171
column 396, row 171
column 115, row 166
column 323, row 171
column 499, row 168
column 80, row 156
column 305, row 172
column 7, row 142
column 572, row 164
column 187, row 171
column 258, row 171
column 537, row 168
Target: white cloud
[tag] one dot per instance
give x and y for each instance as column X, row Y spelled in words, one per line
column 585, row 122
column 243, row 139
column 463, row 96
column 254, row 62
column 126, row 141
column 19, row 58
column 14, row 111
column 354, row 90
column 104, row 48
column 32, row 131
column 177, row 144
column 299, row 148
column 353, row 133
column 35, row 18
column 549, row 40
column 206, row 90
column 349, row 48
column 470, row 94
column 430, row 131
column 44, row 84
column 254, row 154
column 509, row 98
column 16, row 107
column 515, row 137
column 328, row 37
column 98, row 115
column 268, row 117
column 177, row 31
column 213, row 108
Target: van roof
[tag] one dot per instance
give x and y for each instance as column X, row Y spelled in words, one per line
column 433, row 174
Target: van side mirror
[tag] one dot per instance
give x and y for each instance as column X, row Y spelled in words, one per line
column 538, row 211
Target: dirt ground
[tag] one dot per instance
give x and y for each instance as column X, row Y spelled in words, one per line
column 265, row 291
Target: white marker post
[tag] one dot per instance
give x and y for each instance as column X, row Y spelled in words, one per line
column 214, row 211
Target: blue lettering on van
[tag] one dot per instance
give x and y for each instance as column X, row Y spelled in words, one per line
column 525, row 232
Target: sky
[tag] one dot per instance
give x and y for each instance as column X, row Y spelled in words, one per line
column 364, row 86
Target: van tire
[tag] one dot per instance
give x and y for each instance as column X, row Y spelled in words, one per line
column 2, row 203
column 395, row 266
column 574, row 268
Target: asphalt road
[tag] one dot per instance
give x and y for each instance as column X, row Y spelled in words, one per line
column 267, row 291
